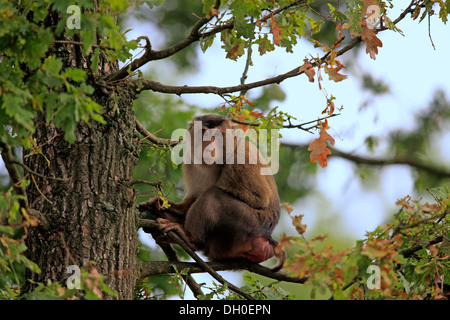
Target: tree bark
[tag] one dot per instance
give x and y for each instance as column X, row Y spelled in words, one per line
column 90, row 217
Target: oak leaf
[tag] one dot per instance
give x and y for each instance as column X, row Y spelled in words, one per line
column 318, row 148
column 369, row 37
column 333, row 73
column 276, row 31
column 308, row 69
column 369, row 34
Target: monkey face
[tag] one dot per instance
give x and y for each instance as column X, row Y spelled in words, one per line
column 211, row 121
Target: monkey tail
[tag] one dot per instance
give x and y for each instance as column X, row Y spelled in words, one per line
column 280, row 254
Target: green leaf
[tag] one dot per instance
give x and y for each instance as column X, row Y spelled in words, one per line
column 154, row 3
column 76, row 74
column 205, row 43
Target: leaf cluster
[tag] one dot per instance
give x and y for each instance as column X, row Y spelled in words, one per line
column 411, row 255
column 35, row 82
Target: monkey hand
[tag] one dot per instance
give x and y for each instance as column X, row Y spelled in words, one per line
column 153, row 206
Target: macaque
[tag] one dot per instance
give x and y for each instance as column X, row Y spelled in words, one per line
column 230, row 209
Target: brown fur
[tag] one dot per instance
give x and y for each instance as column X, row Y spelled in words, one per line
column 229, row 210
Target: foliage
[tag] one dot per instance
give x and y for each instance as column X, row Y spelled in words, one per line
column 40, row 84
column 13, row 224
column 405, row 259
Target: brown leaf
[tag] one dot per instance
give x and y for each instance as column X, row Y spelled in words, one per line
column 288, row 208
column 319, row 78
column 308, row 69
column 213, row 13
column 276, row 31
column 369, row 37
column 318, row 148
column 299, row 226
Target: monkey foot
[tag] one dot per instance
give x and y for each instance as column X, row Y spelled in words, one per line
column 167, row 225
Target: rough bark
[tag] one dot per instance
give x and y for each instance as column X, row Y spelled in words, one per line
column 90, row 217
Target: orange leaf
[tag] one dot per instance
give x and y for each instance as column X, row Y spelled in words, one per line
column 256, row 114
column 369, row 34
column 318, row 148
column 369, row 37
column 248, row 102
column 288, row 208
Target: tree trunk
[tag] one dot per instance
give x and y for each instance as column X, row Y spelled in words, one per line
column 91, row 216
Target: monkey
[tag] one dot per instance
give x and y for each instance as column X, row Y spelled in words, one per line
column 229, row 209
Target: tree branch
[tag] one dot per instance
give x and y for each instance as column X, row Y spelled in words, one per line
column 155, row 268
column 150, row 54
column 155, row 86
column 179, row 90
column 152, row 138
column 390, row 161
column 379, row 162
column 410, row 251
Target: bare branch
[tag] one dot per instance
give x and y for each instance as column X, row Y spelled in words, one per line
column 381, row 162
column 150, row 54
column 141, row 181
column 179, row 90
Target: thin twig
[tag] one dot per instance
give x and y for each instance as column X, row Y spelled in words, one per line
column 141, row 181
column 39, row 174
column 247, row 65
column 290, row 125
column 429, row 31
